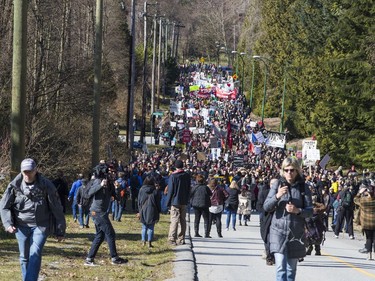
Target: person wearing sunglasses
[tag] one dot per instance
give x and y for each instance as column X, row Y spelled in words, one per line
column 290, row 201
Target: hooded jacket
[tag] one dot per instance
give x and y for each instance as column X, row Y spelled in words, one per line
column 149, row 204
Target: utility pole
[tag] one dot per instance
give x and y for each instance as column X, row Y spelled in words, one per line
column 153, row 67
column 159, row 61
column 97, row 82
column 173, row 40
column 144, row 92
column 177, row 39
column 166, row 40
column 19, row 68
column 130, row 132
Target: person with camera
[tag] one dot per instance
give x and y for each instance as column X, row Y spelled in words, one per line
column 290, row 201
column 101, row 192
column 26, row 206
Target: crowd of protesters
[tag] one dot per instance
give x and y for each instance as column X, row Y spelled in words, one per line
column 215, row 146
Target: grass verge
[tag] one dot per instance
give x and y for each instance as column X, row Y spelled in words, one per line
column 65, row 260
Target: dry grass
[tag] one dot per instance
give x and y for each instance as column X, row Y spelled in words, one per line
column 65, row 260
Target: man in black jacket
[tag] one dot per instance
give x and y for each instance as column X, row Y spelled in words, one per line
column 177, row 199
column 101, row 191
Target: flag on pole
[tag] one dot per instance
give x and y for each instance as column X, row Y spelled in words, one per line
column 253, row 138
column 229, row 135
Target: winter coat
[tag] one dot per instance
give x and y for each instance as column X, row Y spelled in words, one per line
column 219, row 195
column 101, row 196
column 21, row 207
column 262, row 195
column 178, row 188
column 200, row 196
column 149, row 204
column 232, row 201
column 367, row 212
column 244, row 206
column 287, row 231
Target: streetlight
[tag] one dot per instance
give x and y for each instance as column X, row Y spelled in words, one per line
column 282, row 102
column 243, row 71
column 265, row 81
column 252, row 86
column 234, row 53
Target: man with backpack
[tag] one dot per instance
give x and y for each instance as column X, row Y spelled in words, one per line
column 345, row 211
column 84, row 202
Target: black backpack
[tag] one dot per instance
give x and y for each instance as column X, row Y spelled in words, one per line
column 86, row 198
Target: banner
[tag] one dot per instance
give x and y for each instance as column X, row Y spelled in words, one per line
column 276, row 139
column 238, row 161
column 175, row 107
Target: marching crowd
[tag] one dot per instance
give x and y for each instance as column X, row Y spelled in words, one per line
column 216, row 168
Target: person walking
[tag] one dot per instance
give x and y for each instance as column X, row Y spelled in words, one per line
column 84, row 203
column 345, row 211
column 62, row 188
column 365, row 199
column 177, row 199
column 73, row 196
column 149, row 206
column 231, row 204
column 25, row 210
column 219, row 195
column 290, row 201
column 200, row 201
column 244, row 206
column 101, row 192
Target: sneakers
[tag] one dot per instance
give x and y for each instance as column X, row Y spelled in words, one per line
column 227, row 229
column 363, row 251
column 119, row 260
column 90, row 263
column 351, row 237
column 173, row 243
column 336, row 236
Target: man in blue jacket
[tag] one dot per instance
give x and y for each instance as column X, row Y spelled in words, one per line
column 177, row 199
column 73, row 196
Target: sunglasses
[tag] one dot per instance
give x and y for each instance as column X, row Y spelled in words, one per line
column 289, row 170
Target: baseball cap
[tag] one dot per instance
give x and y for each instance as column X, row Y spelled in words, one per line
column 28, row 164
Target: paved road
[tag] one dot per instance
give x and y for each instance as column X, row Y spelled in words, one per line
column 237, row 256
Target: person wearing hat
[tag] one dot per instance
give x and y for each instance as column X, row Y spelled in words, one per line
column 179, row 184
column 26, row 206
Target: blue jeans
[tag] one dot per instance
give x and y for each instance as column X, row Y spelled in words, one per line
column 84, row 215
column 104, row 230
column 286, row 268
column 117, row 210
column 31, row 241
column 147, row 229
column 231, row 213
column 74, row 208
